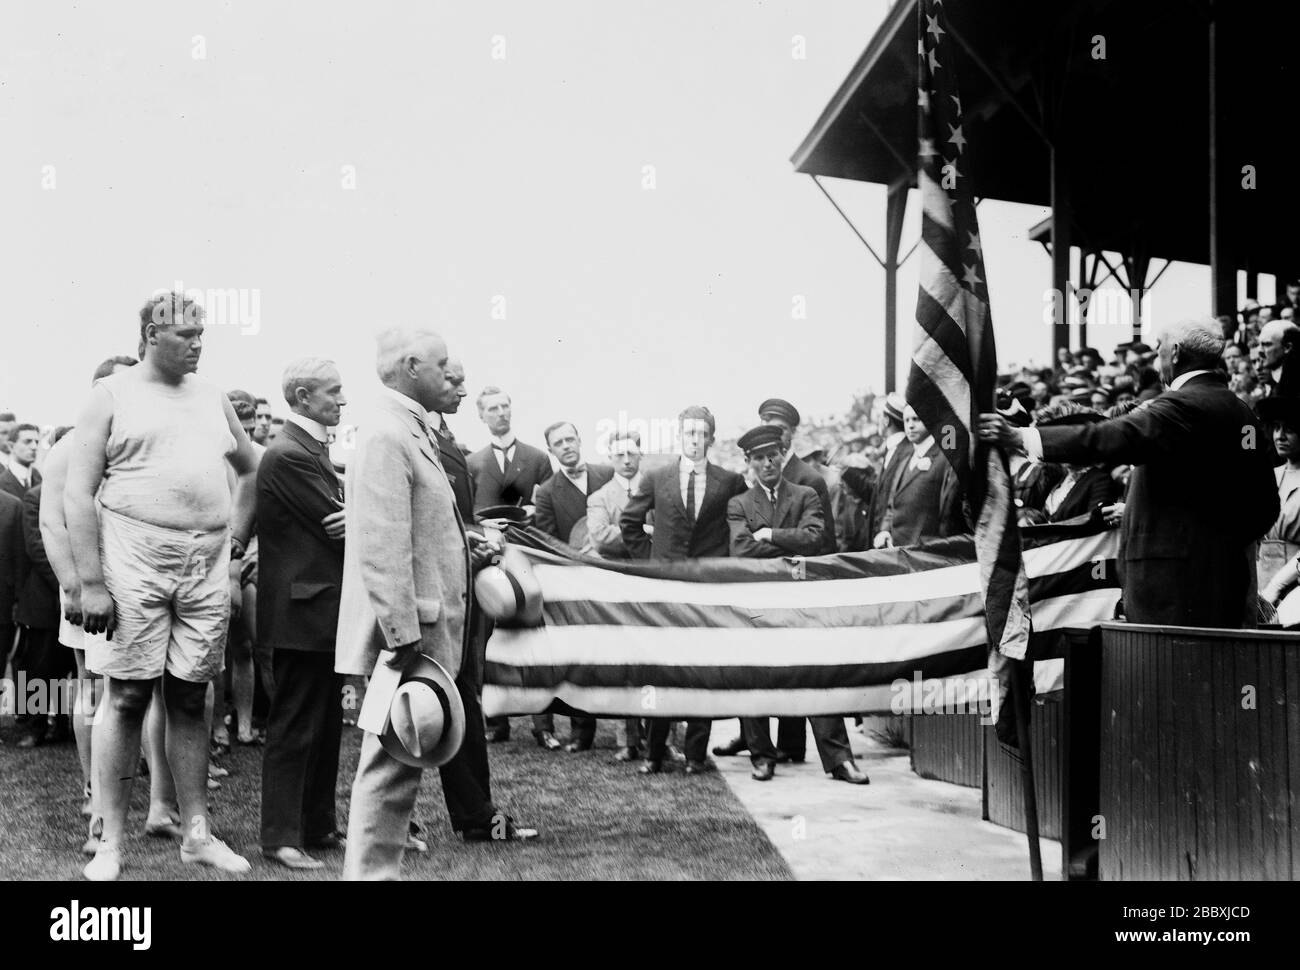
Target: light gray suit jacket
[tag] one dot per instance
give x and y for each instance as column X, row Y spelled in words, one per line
column 406, row 563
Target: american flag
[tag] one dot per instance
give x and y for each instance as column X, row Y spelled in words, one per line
column 715, row 638
column 954, row 363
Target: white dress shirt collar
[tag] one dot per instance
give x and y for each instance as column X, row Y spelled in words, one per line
column 1182, row 379
column 686, row 465
column 409, row 403
column 506, row 441
column 21, row 472
column 920, row 452
column 310, row 425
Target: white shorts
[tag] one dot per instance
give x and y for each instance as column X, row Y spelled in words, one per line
column 172, row 593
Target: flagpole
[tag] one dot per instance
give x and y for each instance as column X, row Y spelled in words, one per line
column 1020, row 688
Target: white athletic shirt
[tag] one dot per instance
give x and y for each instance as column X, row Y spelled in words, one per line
column 165, row 461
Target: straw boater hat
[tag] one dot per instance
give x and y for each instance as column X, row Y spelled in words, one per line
column 425, row 725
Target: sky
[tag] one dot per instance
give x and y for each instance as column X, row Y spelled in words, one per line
column 592, row 202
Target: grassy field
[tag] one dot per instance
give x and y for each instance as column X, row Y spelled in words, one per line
column 599, row 820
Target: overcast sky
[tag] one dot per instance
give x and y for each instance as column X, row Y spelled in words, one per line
column 478, row 168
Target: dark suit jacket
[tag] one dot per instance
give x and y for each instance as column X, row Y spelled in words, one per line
column 456, row 466
column 300, row 569
column 1095, row 487
column 799, row 472
column 10, row 484
column 13, row 558
column 885, row 488
column 529, row 468
column 796, row 522
column 1201, row 493
column 675, row 536
column 560, row 506
column 924, row 504
column 38, row 600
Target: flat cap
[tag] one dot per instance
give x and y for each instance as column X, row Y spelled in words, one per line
column 760, row 437
column 777, row 408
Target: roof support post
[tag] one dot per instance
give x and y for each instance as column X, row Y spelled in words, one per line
column 895, row 210
column 1223, row 269
column 1060, row 252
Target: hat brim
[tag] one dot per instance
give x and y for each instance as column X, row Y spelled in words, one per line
column 425, row 668
column 511, row 513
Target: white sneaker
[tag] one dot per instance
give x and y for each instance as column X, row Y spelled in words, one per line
column 106, row 866
column 217, row 854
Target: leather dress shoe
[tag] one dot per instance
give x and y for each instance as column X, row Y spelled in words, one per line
column 495, row 832
column 292, row 858
column 498, row 734
column 627, row 754
column 674, row 753
column 785, row 758
column 850, row 772
column 732, row 748
column 29, row 741
column 700, row 767
column 763, row 770
column 547, row 740
column 651, row 767
column 334, row 840
column 573, row 746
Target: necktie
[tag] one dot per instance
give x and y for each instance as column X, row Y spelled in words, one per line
column 446, row 432
column 690, row 496
column 503, row 455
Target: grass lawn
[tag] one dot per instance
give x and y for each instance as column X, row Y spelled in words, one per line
column 599, row 820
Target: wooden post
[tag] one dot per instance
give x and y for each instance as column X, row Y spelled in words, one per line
column 895, row 209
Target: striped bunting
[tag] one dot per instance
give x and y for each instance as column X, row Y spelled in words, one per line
column 731, row 637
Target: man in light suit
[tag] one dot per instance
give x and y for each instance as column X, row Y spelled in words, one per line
column 507, row 471
column 561, row 505
column 775, row 518
column 605, row 539
column 689, row 499
column 1202, row 490
column 300, row 528
column 924, row 499
column 406, row 587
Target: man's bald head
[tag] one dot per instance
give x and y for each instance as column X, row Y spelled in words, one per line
column 456, row 392
column 1277, row 340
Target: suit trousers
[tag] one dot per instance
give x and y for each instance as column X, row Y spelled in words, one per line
column 829, row 733
column 7, row 631
column 697, row 738
column 41, row 658
column 300, row 767
column 581, row 729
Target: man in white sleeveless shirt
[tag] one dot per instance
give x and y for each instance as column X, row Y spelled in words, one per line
column 153, row 531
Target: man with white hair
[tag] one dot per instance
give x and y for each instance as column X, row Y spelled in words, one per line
column 407, row 571
column 1202, row 490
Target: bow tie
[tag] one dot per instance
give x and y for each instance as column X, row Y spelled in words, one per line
column 576, row 473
